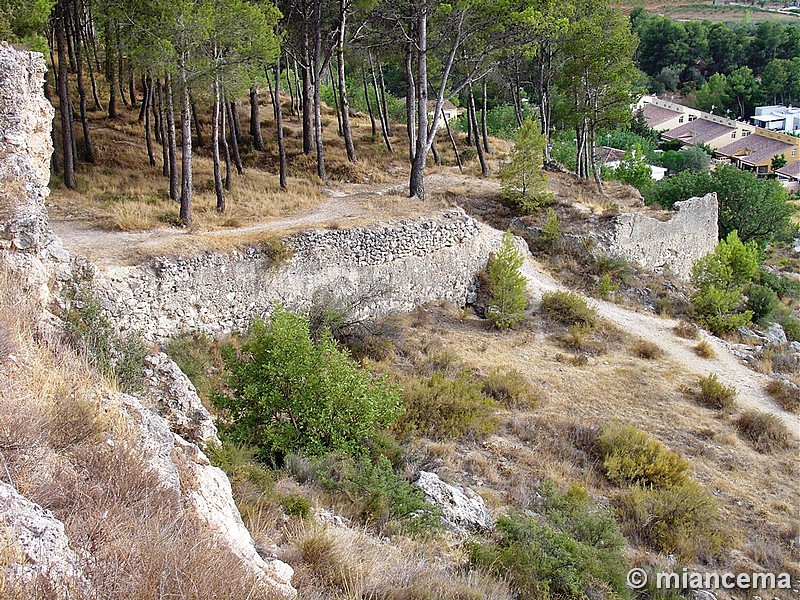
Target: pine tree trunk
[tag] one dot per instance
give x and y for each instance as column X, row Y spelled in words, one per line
column 88, row 147
column 290, row 87
column 171, row 141
column 369, row 102
column 384, row 127
column 453, row 143
column 437, row 160
column 237, row 125
column 226, row 149
column 110, row 72
column 470, row 131
column 318, row 67
column 279, row 125
column 186, row 135
column 384, row 107
column 146, row 103
column 55, row 162
column 345, row 105
column 64, row 107
column 198, row 130
column 255, row 120
column 478, row 144
column 484, row 128
column 271, row 90
column 215, row 149
column 417, row 177
column 120, row 69
column 143, row 107
column 234, row 141
column 84, row 38
column 308, row 102
column 298, row 93
column 335, row 100
column 411, row 104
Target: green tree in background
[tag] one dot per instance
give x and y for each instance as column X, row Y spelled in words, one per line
column 720, row 278
column 524, row 181
column 24, row 21
column 506, row 285
column 633, row 169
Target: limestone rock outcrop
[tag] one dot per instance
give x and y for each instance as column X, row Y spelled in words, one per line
column 175, row 398
column 36, row 547
column 462, row 508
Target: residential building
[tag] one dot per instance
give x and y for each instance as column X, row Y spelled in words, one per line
column 449, row 110
column 755, row 152
column 785, row 119
column 612, row 157
column 789, row 176
column 663, row 115
column 711, row 130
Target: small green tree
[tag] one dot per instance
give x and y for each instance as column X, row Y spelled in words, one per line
column 633, row 169
column 506, row 285
column 720, row 278
column 524, row 182
column 778, row 161
column 287, row 393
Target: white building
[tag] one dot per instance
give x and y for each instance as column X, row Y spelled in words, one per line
column 785, row 119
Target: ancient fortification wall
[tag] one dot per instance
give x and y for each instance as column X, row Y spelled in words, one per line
column 393, row 267
column 674, row 245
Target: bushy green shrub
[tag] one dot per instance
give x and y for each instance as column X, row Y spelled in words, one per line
column 720, row 278
column 443, row 407
column 507, row 301
column 198, row 356
column 715, row 394
column 790, row 324
column 631, row 456
column 376, row 493
column 572, row 551
column 568, row 309
column 784, row 287
column 287, row 393
column 762, row 302
column 509, row 388
column 682, row 520
column 551, row 228
column 296, row 505
column 764, row 431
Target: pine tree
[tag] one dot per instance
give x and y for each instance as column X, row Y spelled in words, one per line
column 524, row 180
column 506, row 285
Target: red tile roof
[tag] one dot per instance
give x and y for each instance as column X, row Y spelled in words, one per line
column 656, row 115
column 755, row 149
column 698, row 131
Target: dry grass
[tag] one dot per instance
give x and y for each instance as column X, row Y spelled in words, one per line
column 336, row 562
column 705, row 350
column 787, row 396
column 765, row 432
column 647, row 350
column 65, row 446
column 687, row 330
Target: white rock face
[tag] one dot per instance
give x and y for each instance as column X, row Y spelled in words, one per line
column 204, row 489
column 176, row 399
column 775, row 335
column 207, row 491
column 40, row 539
column 462, row 508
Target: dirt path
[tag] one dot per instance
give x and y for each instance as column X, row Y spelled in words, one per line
column 658, row 330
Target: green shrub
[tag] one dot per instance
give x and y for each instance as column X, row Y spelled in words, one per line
column 287, row 393
column 376, row 493
column 715, row 394
column 572, row 551
column 442, row 407
column 296, row 505
column 507, row 301
column 762, row 302
column 551, row 228
column 765, row 432
column 783, row 286
column 790, row 324
column 568, row 309
column 606, row 287
column 510, row 388
column 682, row 520
column 631, row 456
column 720, row 278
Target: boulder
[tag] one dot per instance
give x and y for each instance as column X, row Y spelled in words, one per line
column 462, row 508
column 175, row 398
column 775, row 335
column 36, row 546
